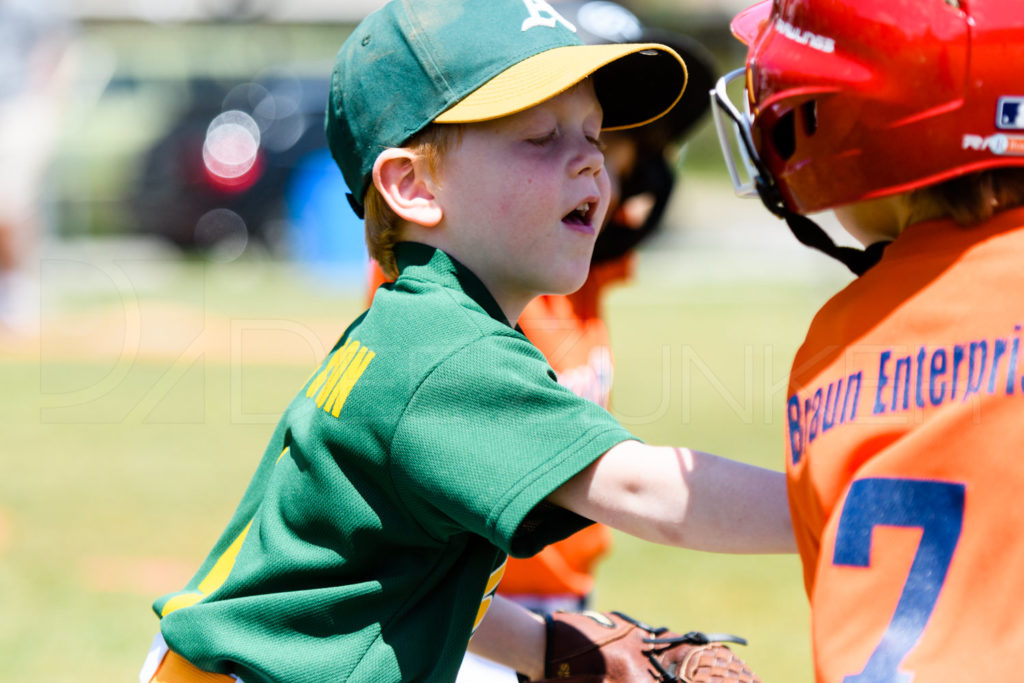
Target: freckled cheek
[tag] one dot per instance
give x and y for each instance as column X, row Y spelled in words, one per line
column 521, row 196
column 507, row 206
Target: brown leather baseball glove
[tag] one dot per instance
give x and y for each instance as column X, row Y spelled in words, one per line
column 594, row 647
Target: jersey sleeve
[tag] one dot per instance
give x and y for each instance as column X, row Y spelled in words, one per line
column 487, row 436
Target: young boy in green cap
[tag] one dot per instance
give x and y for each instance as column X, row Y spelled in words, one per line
column 434, row 440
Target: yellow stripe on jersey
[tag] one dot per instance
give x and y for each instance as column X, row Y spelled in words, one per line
column 217, row 575
column 496, row 576
column 492, row 586
column 179, row 601
column 485, row 605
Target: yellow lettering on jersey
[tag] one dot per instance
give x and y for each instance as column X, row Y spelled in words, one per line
column 333, row 385
column 348, row 379
column 489, row 590
column 332, row 372
column 217, row 575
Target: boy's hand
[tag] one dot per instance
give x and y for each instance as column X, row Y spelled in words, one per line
column 591, row 647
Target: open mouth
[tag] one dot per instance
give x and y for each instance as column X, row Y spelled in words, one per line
column 582, row 215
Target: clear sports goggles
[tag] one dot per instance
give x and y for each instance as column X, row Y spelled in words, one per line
column 734, row 135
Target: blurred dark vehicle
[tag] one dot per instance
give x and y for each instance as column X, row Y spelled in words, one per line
column 226, row 173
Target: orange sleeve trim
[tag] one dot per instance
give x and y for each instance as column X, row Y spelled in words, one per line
column 177, row 669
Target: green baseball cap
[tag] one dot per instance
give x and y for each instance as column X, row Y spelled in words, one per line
column 414, row 62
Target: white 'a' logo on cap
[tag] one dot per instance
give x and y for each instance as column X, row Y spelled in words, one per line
column 543, row 14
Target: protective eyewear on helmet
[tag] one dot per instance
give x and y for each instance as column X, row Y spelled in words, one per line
column 734, row 134
column 737, row 140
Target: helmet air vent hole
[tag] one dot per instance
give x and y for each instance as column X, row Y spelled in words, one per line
column 784, row 135
column 809, row 111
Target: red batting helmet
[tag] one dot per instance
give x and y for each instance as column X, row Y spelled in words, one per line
column 851, row 100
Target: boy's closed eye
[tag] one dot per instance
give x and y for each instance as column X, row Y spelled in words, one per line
column 542, row 140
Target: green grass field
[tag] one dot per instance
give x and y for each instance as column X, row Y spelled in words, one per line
column 133, row 423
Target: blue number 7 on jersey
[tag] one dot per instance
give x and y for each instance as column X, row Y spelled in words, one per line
column 937, row 508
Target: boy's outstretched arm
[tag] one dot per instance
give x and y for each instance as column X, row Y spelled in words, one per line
column 684, row 498
column 512, row 635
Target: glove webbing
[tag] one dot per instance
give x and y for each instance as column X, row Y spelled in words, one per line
column 691, row 638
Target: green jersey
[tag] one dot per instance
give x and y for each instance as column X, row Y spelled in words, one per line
column 375, row 530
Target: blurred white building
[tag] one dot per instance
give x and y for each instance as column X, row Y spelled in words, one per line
column 192, row 10
column 301, row 11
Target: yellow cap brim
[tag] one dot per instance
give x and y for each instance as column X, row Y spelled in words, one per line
column 547, row 74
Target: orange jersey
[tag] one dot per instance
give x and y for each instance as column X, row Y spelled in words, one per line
column 570, row 333
column 905, row 421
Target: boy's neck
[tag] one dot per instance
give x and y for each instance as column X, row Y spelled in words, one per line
column 410, row 252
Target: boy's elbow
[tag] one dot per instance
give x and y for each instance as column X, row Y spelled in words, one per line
column 669, row 532
column 639, row 508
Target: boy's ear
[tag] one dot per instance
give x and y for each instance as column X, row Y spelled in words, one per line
column 405, row 182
